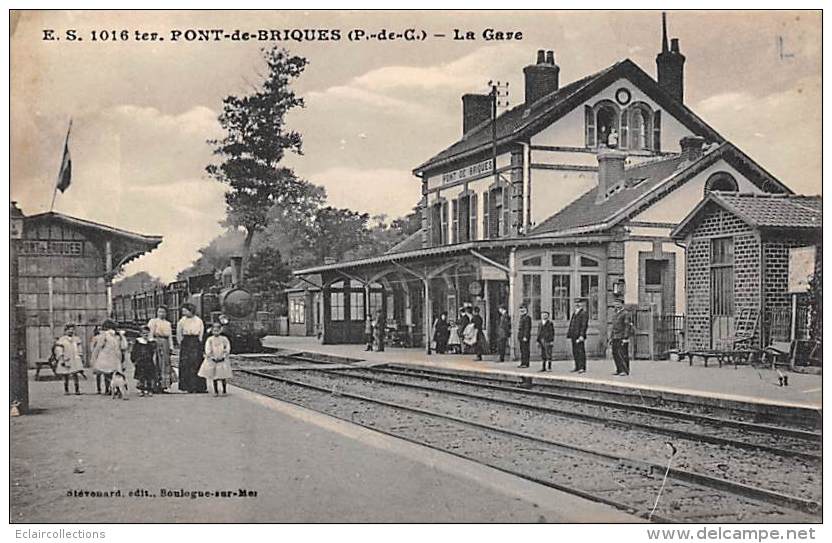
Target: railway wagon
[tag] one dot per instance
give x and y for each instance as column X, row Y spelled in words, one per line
column 223, row 301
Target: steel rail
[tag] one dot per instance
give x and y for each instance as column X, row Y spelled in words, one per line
column 716, row 440
column 717, row 421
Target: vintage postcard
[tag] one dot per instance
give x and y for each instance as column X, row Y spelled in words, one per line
column 416, row 267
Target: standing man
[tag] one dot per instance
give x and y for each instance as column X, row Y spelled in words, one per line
column 503, row 332
column 368, row 332
column 577, row 333
column 479, row 346
column 379, row 329
column 546, row 339
column 524, row 336
column 622, row 329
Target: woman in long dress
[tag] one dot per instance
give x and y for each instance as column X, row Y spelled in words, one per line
column 189, row 331
column 108, row 353
column 161, row 332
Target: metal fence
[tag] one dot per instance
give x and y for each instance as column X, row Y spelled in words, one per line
column 657, row 335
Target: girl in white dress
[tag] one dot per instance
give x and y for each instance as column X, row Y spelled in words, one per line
column 69, row 352
column 216, row 367
column 108, row 353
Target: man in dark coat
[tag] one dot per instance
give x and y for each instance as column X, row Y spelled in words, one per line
column 503, row 332
column 441, row 333
column 546, row 339
column 479, row 346
column 524, row 336
column 577, row 333
column 622, row 329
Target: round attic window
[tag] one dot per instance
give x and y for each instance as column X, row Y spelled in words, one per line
column 721, row 181
column 622, row 96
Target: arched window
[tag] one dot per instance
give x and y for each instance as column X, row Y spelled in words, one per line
column 601, row 119
column 607, row 120
column 637, row 127
column 721, row 181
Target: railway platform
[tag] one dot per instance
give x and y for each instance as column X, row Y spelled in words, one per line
column 716, row 385
column 79, row 458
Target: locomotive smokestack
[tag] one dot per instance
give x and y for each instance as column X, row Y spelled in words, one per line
column 236, row 270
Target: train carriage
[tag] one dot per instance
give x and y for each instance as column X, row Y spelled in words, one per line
column 224, row 301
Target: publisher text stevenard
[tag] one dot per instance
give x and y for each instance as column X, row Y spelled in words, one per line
column 162, row 493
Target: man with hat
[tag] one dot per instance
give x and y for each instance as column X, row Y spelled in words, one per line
column 622, row 329
column 577, row 334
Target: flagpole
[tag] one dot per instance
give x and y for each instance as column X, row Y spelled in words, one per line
column 60, row 168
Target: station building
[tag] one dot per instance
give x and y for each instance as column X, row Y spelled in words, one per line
column 66, row 266
column 590, row 179
column 739, row 249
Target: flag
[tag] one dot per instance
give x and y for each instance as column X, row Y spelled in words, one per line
column 65, row 175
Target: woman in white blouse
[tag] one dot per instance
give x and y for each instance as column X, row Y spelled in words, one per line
column 161, row 331
column 189, row 331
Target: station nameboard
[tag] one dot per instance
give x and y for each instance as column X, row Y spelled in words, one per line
column 52, row 248
column 467, row 172
column 801, row 268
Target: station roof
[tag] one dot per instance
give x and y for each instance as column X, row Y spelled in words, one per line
column 410, row 243
column 767, row 211
column 127, row 245
column 455, row 249
column 520, row 122
column 643, row 185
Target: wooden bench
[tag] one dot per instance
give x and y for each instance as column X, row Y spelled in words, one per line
column 778, row 350
column 44, row 363
column 731, row 356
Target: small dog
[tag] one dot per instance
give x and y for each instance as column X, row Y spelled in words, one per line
column 118, row 386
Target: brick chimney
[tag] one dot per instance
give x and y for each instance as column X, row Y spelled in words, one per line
column 610, row 171
column 670, row 65
column 541, row 78
column 692, row 147
column 476, row 108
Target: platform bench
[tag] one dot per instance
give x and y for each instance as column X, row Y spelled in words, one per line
column 732, row 356
column 44, row 364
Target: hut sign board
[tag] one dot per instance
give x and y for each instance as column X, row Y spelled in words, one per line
column 801, row 268
column 52, row 248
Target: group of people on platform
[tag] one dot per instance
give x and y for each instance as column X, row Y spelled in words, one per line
column 467, row 336
column 200, row 360
column 374, row 331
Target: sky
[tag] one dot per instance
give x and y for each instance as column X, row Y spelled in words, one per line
column 142, row 111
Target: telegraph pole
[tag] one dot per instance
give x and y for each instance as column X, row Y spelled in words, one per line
column 498, row 90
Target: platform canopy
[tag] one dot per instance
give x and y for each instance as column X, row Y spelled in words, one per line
column 125, row 245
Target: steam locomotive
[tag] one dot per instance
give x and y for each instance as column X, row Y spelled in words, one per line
column 222, row 300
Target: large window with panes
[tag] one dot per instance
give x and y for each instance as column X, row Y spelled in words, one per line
column 565, row 275
column 337, row 303
column 297, row 310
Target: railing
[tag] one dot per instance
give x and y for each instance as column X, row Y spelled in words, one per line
column 777, row 324
column 657, row 335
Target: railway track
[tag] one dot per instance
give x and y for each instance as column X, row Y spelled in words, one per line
column 753, row 437
column 627, row 483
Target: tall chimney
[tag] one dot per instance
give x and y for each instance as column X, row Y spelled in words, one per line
column 670, row 65
column 610, row 171
column 541, row 78
column 691, row 147
column 236, row 270
column 476, row 109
